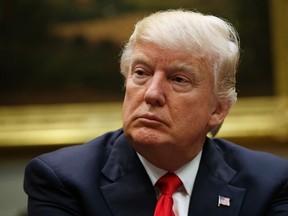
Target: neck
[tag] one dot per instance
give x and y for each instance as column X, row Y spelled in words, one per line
column 169, row 159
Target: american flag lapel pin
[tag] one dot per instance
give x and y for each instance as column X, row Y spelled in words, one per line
column 223, row 201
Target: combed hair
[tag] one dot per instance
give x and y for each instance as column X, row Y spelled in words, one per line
column 204, row 36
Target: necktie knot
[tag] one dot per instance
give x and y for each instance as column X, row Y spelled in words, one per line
column 169, row 183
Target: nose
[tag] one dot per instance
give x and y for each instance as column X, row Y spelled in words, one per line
column 155, row 92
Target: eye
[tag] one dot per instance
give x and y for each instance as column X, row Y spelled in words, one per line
column 140, row 76
column 181, row 83
column 139, row 72
column 180, row 80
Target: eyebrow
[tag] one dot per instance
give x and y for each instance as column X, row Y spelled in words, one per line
column 183, row 66
column 173, row 66
column 190, row 69
column 140, row 58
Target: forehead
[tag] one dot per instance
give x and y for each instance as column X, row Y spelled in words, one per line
column 151, row 54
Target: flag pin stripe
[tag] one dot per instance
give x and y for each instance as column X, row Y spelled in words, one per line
column 223, row 201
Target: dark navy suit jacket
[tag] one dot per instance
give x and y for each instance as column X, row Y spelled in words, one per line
column 105, row 177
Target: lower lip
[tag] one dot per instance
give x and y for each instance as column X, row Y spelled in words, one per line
column 151, row 122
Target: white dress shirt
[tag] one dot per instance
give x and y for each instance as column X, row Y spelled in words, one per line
column 186, row 173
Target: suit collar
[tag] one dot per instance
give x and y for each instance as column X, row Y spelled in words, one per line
column 214, row 179
column 126, row 181
column 213, row 160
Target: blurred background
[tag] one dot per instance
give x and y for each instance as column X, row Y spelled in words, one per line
column 60, row 82
column 58, row 51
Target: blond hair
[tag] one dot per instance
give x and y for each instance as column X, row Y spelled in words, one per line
column 197, row 34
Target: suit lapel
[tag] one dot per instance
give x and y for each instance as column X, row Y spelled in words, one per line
column 127, row 188
column 212, row 181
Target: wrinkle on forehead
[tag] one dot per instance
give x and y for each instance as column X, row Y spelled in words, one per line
column 184, row 62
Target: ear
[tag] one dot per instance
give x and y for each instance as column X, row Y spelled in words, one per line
column 219, row 114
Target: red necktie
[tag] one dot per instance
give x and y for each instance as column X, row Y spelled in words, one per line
column 168, row 184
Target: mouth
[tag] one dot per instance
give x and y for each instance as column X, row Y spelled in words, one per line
column 151, row 119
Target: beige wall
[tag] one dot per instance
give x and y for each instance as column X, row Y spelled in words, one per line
column 279, row 33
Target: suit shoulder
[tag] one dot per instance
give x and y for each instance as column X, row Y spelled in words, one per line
column 242, row 157
column 78, row 156
column 101, row 143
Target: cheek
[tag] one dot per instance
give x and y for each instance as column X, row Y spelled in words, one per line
column 132, row 100
column 192, row 112
column 126, row 107
column 134, row 94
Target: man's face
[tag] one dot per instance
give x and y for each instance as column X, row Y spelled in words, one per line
column 169, row 101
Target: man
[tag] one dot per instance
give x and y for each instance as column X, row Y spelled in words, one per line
column 180, row 85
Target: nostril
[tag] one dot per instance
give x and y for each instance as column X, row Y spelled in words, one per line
column 154, row 97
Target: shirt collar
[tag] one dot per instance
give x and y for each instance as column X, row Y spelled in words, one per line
column 186, row 173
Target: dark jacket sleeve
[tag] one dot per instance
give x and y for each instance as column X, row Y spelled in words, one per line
column 279, row 204
column 46, row 193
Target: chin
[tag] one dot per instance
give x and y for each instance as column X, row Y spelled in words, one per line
column 147, row 136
